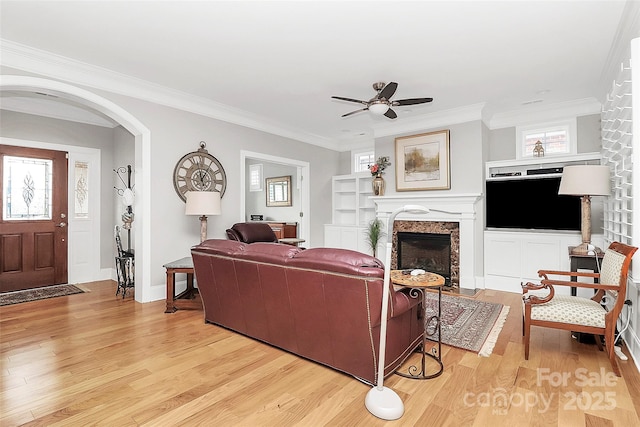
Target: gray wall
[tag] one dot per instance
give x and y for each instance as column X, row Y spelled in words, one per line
column 502, row 142
column 466, row 158
column 175, row 133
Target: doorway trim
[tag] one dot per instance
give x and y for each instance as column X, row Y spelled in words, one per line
column 93, row 156
column 303, row 179
column 142, row 168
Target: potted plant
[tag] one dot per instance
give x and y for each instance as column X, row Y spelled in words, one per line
column 374, row 234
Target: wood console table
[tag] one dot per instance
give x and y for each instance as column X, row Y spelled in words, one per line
column 190, row 298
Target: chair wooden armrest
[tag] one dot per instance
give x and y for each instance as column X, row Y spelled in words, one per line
column 535, row 299
column 547, row 273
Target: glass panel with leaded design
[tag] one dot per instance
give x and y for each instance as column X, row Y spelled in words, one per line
column 27, row 188
column 81, row 189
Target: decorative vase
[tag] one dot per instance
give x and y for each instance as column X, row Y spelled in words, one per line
column 378, row 185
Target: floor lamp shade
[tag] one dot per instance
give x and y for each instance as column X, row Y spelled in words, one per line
column 585, row 181
column 203, row 203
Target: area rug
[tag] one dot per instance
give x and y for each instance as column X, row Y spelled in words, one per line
column 16, row 297
column 468, row 324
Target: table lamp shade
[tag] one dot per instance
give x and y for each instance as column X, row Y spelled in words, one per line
column 585, row 180
column 203, row 203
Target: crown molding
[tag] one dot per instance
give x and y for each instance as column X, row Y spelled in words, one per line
column 541, row 113
column 25, row 58
column 628, row 29
column 427, row 121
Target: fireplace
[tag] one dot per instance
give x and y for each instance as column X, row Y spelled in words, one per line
column 428, row 251
column 450, row 213
column 433, row 246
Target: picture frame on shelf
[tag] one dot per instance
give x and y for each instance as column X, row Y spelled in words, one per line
column 423, row 162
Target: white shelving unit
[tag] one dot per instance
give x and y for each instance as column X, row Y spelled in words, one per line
column 352, row 210
column 517, row 169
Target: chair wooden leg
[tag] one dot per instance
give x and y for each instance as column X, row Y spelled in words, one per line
column 526, row 329
column 598, row 340
column 527, row 335
column 610, row 344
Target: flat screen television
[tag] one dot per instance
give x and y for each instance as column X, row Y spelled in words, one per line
column 531, row 204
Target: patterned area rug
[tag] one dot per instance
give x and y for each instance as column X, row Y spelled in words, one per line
column 468, row 324
column 17, row 297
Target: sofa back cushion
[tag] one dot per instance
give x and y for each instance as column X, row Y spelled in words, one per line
column 338, row 261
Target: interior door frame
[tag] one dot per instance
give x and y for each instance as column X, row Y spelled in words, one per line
column 303, row 182
column 93, row 258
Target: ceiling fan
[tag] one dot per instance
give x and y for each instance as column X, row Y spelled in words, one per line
column 381, row 103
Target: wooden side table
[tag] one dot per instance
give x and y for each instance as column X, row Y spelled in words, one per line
column 586, row 262
column 419, row 285
column 293, row 241
column 190, row 298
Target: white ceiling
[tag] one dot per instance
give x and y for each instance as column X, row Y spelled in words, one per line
column 282, row 61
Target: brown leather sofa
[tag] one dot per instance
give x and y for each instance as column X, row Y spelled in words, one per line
column 251, row 232
column 323, row 304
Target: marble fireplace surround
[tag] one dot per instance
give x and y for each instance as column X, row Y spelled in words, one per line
column 459, row 208
column 451, row 228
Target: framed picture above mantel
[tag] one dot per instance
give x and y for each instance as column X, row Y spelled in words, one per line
column 422, row 162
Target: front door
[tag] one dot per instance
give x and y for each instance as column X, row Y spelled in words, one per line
column 33, row 225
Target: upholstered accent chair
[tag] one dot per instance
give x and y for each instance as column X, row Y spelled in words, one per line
column 543, row 307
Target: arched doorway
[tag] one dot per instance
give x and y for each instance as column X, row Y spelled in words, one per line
column 142, row 168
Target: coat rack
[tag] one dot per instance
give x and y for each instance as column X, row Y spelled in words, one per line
column 127, row 198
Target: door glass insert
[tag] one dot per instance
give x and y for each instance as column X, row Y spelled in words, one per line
column 81, row 189
column 27, row 188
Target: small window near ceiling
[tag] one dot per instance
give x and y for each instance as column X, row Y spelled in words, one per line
column 362, row 160
column 255, row 177
column 547, row 139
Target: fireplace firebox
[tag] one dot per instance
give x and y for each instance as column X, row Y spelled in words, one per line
column 428, row 251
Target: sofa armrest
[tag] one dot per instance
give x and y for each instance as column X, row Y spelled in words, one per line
column 401, row 302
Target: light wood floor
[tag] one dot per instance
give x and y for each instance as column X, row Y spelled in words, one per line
column 95, row 359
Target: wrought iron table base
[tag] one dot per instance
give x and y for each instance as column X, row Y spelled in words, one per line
column 420, row 372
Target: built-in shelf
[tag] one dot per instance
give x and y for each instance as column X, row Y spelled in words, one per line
column 527, row 168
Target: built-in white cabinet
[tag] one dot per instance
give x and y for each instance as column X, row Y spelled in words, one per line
column 513, row 257
column 352, row 211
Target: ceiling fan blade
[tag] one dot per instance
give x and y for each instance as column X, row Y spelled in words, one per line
column 350, row 100
column 354, row 112
column 388, row 91
column 391, row 114
column 411, row 101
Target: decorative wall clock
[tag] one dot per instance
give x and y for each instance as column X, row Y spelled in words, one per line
column 199, row 171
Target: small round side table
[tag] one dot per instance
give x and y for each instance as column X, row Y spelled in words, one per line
column 418, row 286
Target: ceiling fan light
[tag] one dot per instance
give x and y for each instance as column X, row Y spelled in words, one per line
column 378, row 108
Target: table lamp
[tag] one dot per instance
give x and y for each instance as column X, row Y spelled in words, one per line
column 203, row 203
column 585, row 181
column 381, row 401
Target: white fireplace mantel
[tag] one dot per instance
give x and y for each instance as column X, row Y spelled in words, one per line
column 461, row 208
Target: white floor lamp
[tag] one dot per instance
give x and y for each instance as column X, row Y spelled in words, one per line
column 381, row 401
